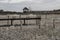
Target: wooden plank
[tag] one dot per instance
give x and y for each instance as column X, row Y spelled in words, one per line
column 21, row 19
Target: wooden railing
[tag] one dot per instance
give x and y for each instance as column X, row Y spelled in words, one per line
column 12, row 19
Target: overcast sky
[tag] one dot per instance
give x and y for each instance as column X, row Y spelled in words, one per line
column 37, row 5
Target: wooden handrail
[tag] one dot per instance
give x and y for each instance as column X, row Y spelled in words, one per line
column 21, row 19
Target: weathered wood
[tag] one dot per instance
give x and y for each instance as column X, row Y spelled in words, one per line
column 12, row 19
column 53, row 23
column 11, row 22
column 8, row 21
column 21, row 19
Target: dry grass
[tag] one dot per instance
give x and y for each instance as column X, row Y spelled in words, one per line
column 28, row 33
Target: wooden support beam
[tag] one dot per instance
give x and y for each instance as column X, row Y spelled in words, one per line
column 53, row 23
column 8, row 21
column 24, row 23
column 21, row 19
column 11, row 22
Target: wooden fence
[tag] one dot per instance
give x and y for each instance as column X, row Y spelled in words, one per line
column 12, row 19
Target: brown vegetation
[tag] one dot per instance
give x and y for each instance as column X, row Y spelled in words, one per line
column 27, row 33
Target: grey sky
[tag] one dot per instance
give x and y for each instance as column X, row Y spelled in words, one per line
column 37, row 5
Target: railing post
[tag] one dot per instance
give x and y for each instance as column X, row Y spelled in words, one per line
column 53, row 23
column 24, row 21
column 8, row 21
column 20, row 23
column 11, row 22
